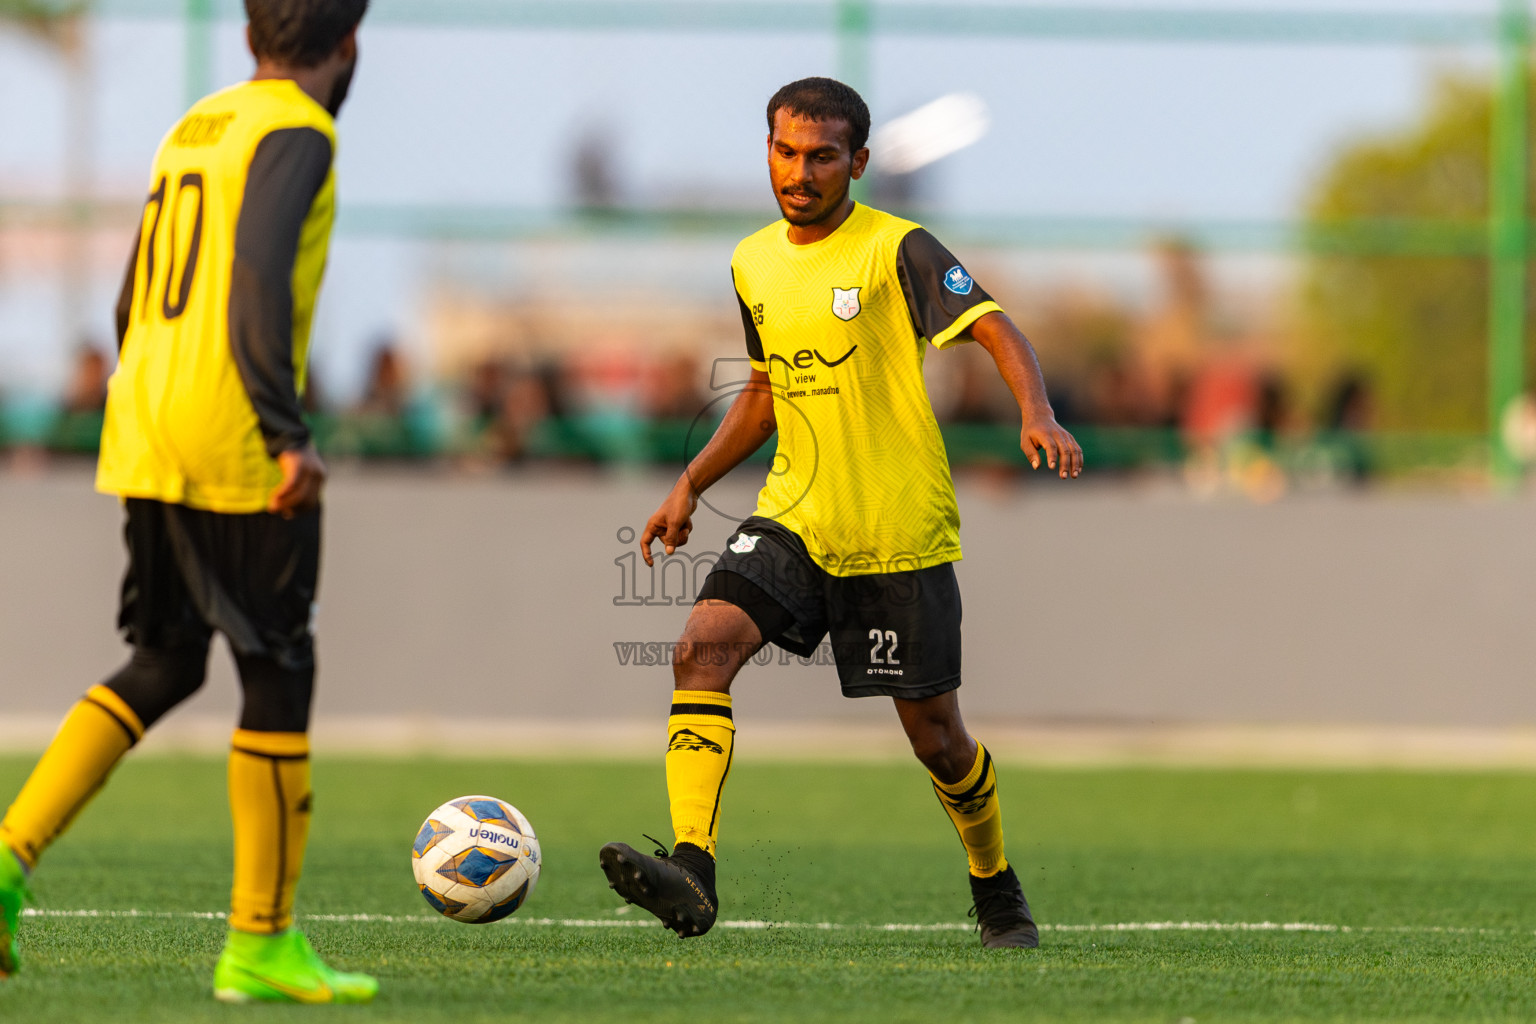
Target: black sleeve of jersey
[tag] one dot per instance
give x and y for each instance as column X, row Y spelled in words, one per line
column 125, row 297
column 285, row 175
column 921, row 264
column 749, row 326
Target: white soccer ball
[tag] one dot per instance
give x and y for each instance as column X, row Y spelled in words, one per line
column 476, row 859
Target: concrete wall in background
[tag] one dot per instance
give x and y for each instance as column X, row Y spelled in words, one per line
column 455, row 596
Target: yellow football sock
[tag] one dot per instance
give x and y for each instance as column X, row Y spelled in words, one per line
column 94, row 736
column 269, row 800
column 972, row 805
column 700, row 738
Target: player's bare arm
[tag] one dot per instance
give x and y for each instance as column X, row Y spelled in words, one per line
column 747, row 424
column 1016, row 362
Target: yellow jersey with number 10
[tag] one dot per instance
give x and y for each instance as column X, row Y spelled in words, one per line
column 208, row 323
column 841, row 326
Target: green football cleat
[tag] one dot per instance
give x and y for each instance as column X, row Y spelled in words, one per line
column 283, row 968
column 13, row 894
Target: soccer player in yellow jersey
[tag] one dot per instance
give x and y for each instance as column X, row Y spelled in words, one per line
column 856, row 528
column 205, row 445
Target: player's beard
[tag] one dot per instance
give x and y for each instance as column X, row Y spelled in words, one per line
column 339, row 89
column 813, row 214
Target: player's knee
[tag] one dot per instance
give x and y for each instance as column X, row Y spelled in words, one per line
column 277, row 694
column 154, row 681
column 947, row 754
column 701, row 665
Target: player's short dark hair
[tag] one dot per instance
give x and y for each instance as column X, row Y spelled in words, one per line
column 301, row 33
column 824, row 99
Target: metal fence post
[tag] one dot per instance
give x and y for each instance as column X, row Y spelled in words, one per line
column 1507, row 257
column 197, row 67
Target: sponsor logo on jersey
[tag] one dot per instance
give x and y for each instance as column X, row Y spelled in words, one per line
column 743, row 544
column 802, row 359
column 957, row 280
column 687, row 739
column 845, row 302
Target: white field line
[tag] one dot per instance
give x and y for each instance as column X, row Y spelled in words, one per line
column 825, row 926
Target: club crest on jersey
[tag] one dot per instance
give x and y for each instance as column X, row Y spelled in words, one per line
column 845, row 302
column 743, row 544
column 957, row 280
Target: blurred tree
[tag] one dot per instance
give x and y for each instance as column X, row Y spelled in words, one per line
column 47, row 18
column 1408, row 305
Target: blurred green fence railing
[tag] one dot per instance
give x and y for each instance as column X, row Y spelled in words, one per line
column 422, row 433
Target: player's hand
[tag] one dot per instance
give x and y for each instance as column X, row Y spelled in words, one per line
column 1062, row 452
column 672, row 522
column 303, row 478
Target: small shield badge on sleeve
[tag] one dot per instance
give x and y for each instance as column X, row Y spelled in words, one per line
column 845, row 303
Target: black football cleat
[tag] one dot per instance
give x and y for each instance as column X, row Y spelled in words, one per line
column 679, row 889
column 1002, row 912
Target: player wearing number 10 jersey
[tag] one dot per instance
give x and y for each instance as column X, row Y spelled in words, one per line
column 205, row 444
column 856, row 529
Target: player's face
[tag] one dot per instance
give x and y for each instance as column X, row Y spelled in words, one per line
column 346, row 60
column 810, row 164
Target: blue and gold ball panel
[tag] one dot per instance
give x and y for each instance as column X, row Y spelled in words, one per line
column 432, row 833
column 489, row 811
column 440, row 903
column 506, row 906
column 477, row 866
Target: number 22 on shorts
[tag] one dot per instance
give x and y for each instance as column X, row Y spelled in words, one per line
column 882, row 638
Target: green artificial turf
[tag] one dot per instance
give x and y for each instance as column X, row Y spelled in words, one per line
column 1419, row 886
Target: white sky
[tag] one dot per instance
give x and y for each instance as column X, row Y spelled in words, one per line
column 1159, row 132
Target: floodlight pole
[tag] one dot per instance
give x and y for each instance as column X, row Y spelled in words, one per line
column 197, row 73
column 1507, row 257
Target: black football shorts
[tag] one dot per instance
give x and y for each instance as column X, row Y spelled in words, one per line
column 251, row 577
column 894, row 634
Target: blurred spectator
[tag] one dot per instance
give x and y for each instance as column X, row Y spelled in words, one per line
column 1118, row 394
column 388, row 422
column 506, row 410
column 387, row 391
column 671, row 389
column 976, row 395
column 1348, row 416
column 1272, row 416
column 1222, row 403
column 486, row 394
column 77, row 427
column 86, row 391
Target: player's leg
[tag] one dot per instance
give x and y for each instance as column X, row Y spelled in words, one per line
column 679, row 888
column 256, row 579
column 701, row 734
column 265, row 958
column 745, row 602
column 167, row 666
column 898, row 635
column 965, row 782
column 93, row 737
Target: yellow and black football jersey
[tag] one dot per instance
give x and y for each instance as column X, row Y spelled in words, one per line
column 841, row 327
column 215, row 312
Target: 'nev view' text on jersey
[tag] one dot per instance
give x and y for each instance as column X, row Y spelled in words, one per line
column 841, row 327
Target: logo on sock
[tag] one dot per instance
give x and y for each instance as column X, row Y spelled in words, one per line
column 687, row 739
column 972, row 805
